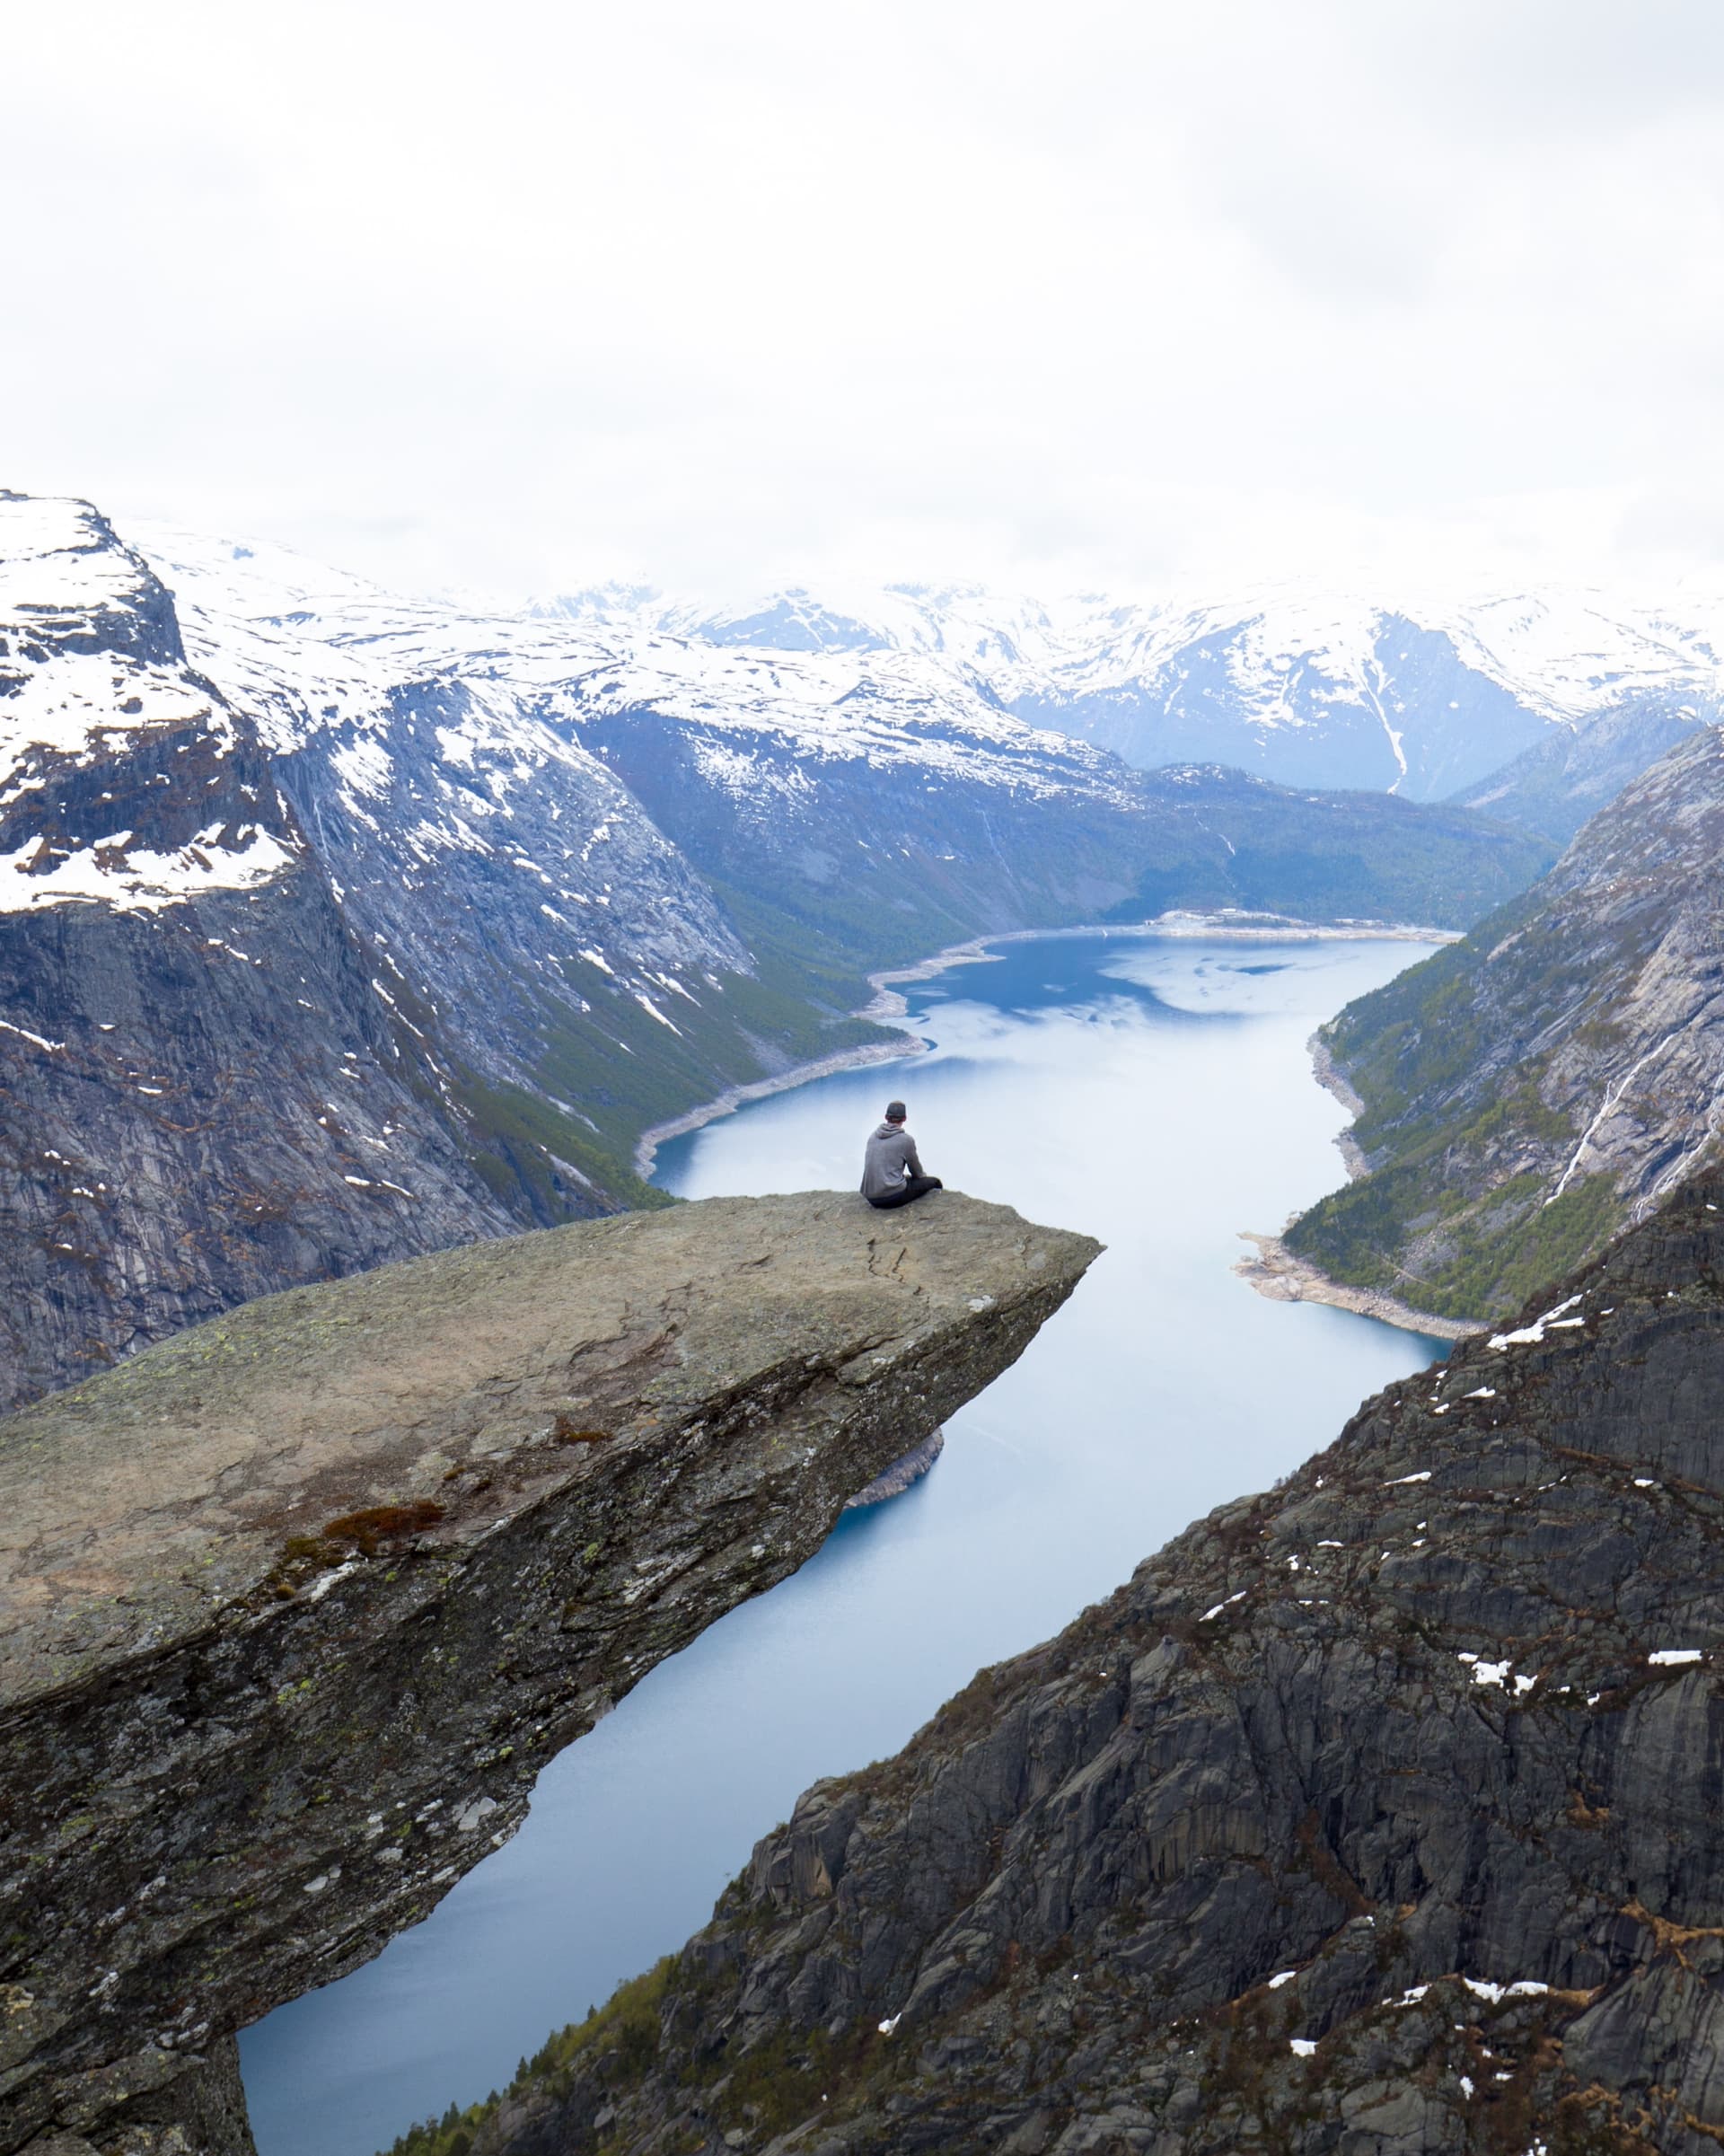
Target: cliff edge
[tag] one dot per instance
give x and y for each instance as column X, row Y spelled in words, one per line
column 296, row 1605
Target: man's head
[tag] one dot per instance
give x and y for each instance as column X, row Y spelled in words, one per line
column 895, row 1112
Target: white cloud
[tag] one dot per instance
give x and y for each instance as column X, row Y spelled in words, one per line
column 534, row 293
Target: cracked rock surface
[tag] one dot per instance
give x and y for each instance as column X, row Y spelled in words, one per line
column 296, row 1605
column 1377, row 1816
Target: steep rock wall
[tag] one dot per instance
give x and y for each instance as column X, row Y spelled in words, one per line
column 1548, row 1078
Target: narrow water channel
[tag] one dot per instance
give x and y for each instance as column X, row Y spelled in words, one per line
column 1155, row 1093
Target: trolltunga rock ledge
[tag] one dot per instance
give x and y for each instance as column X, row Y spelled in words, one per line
column 296, row 1605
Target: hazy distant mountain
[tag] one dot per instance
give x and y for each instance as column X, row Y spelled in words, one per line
column 1307, row 686
column 1564, row 781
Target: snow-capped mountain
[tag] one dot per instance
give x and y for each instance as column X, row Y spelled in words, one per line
column 336, row 925
column 1297, row 683
column 206, row 1096
column 854, row 780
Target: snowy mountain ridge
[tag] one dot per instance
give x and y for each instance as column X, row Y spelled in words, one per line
column 1268, row 671
column 1569, row 651
column 306, row 650
column 1298, row 681
column 957, row 684
column 89, row 659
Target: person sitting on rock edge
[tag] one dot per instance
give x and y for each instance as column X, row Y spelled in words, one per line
column 892, row 1174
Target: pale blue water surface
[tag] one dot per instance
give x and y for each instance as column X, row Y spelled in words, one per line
column 1156, row 1093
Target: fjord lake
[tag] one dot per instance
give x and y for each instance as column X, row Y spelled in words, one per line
column 1153, row 1091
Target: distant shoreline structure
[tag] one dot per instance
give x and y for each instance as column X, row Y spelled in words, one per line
column 889, row 1008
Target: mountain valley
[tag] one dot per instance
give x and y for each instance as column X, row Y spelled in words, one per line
column 336, row 926
column 862, row 1080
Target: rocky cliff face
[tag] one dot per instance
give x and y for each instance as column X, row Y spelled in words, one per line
column 1548, row 1078
column 296, row 1606
column 1380, row 1814
column 205, row 1093
column 1561, row 782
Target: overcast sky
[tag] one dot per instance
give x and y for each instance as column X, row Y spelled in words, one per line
column 520, row 296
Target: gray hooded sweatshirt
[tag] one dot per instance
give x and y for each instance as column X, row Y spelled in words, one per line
column 890, row 1157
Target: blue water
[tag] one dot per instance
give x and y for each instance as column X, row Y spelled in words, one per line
column 1156, row 1094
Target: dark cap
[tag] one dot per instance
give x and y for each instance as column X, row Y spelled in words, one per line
column 895, row 1112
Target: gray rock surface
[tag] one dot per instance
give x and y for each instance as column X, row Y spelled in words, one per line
column 204, row 1097
column 1543, row 1081
column 1379, row 1815
column 296, row 1605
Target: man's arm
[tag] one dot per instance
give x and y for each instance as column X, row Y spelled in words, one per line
column 912, row 1160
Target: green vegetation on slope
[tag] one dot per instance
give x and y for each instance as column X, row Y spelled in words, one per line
column 771, row 2086
column 613, row 1071
column 626, row 2027
column 1484, row 1261
column 1456, row 1216
column 1332, row 857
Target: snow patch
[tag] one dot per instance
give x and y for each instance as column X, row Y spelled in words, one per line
column 1531, row 1335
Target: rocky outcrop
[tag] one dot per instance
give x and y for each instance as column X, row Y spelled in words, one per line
column 1545, row 1080
column 198, row 1106
column 1278, row 1275
column 1377, row 1816
column 296, row 1605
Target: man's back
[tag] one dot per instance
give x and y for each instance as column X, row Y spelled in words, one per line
column 891, row 1155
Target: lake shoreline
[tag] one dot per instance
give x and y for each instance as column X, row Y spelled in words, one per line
column 1281, row 1274
column 889, row 1008
column 1284, row 1277
column 1328, row 1076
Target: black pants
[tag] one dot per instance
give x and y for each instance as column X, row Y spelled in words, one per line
column 915, row 1186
